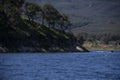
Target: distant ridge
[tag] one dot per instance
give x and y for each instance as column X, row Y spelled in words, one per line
column 90, row 15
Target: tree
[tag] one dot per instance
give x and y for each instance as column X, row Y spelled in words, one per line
column 64, row 22
column 42, row 14
column 51, row 14
column 10, row 12
column 32, row 10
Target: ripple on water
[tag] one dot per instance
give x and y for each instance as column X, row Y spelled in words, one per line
column 87, row 66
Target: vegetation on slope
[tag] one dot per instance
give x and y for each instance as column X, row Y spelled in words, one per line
column 105, row 41
column 29, row 27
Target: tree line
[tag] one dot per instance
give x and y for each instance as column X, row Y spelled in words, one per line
column 103, row 38
column 11, row 12
column 46, row 14
column 30, row 24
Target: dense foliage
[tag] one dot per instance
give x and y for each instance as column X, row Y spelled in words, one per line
column 24, row 24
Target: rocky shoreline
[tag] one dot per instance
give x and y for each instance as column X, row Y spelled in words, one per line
column 32, row 49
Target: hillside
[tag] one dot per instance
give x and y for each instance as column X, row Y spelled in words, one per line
column 34, row 37
column 29, row 27
column 90, row 15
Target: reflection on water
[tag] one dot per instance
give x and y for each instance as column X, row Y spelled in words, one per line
column 95, row 65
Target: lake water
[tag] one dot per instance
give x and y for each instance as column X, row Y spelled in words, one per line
column 94, row 65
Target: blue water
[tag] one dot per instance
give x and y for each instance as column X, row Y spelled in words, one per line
column 95, row 65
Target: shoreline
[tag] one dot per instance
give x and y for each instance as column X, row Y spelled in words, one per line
column 101, row 48
column 91, row 46
column 42, row 50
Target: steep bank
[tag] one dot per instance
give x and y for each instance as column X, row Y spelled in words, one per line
column 30, row 27
column 31, row 36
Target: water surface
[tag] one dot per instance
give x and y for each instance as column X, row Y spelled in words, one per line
column 95, row 65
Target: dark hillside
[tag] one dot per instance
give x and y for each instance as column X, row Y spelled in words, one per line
column 30, row 27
